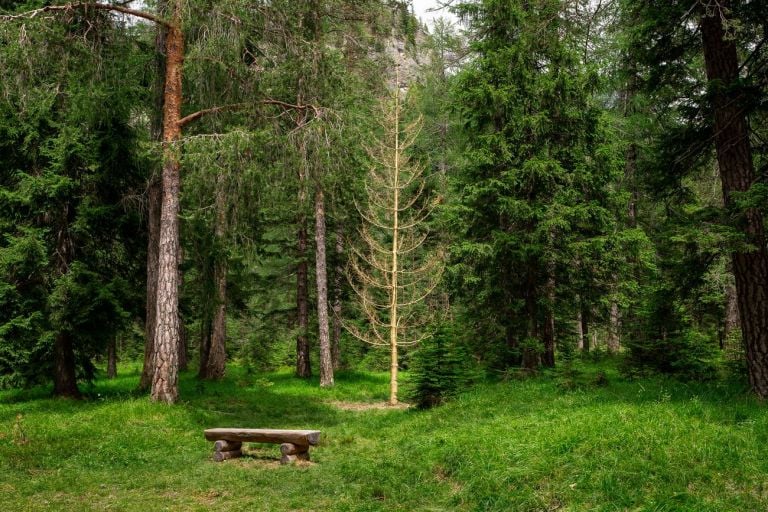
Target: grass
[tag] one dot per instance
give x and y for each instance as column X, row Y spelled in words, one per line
column 528, row 445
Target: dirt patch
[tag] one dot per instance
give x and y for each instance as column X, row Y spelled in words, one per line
column 368, row 406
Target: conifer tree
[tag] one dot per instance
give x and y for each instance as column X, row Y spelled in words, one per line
column 392, row 273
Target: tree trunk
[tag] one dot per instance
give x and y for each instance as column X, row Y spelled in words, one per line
column 548, row 331
column 579, row 332
column 112, row 359
column 731, row 320
column 206, row 326
column 613, row 329
column 585, row 328
column 217, row 359
column 321, row 276
column 165, row 377
column 64, row 367
column 337, row 290
column 734, row 156
column 154, row 199
column 183, row 342
column 530, row 356
column 64, row 375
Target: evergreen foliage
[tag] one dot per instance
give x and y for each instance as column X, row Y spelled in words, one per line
column 441, row 368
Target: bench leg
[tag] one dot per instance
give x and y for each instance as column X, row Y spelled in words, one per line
column 291, row 453
column 225, row 450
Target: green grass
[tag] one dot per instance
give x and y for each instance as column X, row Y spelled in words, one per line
column 646, row 445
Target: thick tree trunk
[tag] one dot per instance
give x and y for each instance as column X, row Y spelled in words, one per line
column 64, row 375
column 321, row 276
column 112, row 359
column 217, row 359
column 338, row 279
column 64, row 367
column 165, row 377
column 154, row 199
column 734, row 156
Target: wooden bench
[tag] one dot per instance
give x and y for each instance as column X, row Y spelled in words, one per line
column 294, row 444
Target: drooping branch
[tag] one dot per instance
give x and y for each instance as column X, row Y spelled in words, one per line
column 240, row 106
column 85, row 6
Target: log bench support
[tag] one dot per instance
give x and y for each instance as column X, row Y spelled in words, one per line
column 294, row 444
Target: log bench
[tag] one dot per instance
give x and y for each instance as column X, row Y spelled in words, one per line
column 294, row 444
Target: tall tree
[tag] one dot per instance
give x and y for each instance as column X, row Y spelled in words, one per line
column 392, row 274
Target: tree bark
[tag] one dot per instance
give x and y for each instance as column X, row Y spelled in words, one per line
column 206, row 326
column 64, row 375
column 579, row 332
column 112, row 359
column 303, row 368
column 337, row 304
column 217, row 359
column 154, row 199
column 64, row 367
column 321, row 277
column 734, row 156
column 613, row 328
column 165, row 377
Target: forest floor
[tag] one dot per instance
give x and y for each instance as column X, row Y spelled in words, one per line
column 521, row 445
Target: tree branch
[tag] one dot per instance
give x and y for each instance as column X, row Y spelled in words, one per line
column 85, row 6
column 237, row 106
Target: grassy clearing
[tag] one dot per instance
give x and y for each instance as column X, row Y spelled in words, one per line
column 650, row 445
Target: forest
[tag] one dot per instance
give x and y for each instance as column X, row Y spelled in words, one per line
column 513, row 258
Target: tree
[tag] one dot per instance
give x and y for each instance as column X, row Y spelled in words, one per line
column 714, row 111
column 533, row 192
column 392, row 273
column 68, row 151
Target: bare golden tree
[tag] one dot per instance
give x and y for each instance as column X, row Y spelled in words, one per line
column 393, row 272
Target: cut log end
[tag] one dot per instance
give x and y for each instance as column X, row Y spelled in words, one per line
column 289, row 459
column 222, row 456
column 227, row 446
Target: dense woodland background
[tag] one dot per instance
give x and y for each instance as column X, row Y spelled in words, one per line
column 190, row 185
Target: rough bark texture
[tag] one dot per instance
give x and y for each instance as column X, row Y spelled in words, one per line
column 321, row 278
column 737, row 173
column 165, row 377
column 112, row 359
column 337, row 304
column 217, row 358
column 154, row 199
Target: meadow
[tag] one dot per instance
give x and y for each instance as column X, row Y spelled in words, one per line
column 603, row 444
